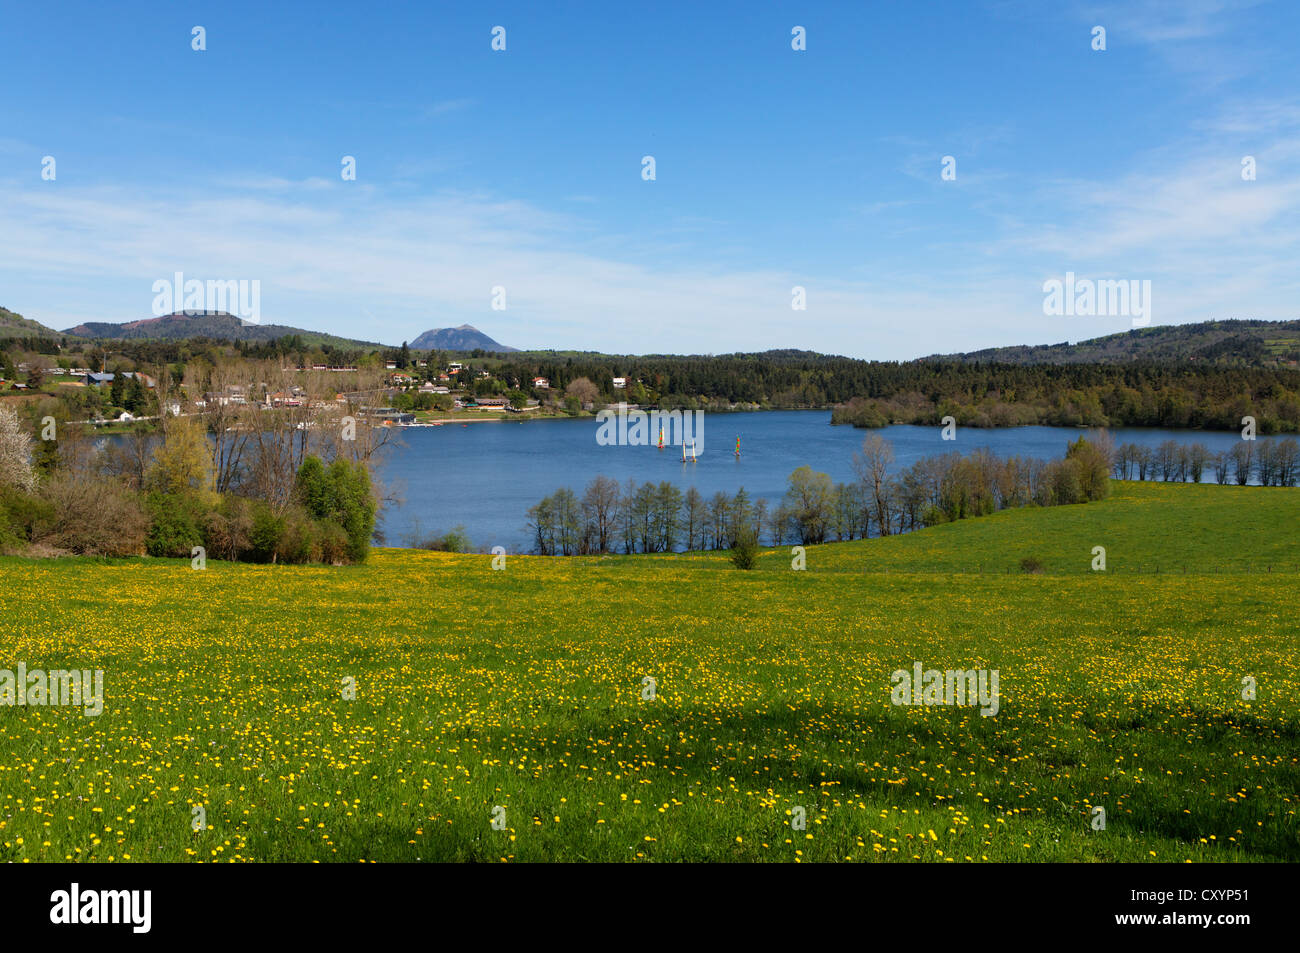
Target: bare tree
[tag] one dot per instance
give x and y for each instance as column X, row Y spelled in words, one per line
column 872, row 469
column 130, row 458
column 584, row 390
column 599, row 507
column 1243, row 461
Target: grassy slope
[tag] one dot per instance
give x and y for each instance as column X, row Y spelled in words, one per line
column 1144, row 527
column 522, row 689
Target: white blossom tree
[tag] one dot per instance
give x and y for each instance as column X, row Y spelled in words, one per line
column 15, row 453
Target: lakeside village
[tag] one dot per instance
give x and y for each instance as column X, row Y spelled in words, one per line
column 452, row 392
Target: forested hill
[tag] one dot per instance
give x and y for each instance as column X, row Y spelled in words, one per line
column 1212, row 382
column 1250, row 343
column 214, row 325
column 15, row 325
column 878, row 393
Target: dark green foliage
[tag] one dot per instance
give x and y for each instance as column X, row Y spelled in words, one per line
column 264, row 536
column 455, row 540
column 340, row 494
column 22, row 518
column 744, row 555
column 312, row 492
column 175, row 524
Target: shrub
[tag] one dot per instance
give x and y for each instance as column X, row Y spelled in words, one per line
column 340, row 494
column 299, row 540
column 22, row 518
column 175, row 524
column 311, row 487
column 264, row 534
column 1031, row 565
column 744, row 555
column 453, row 541
column 333, row 544
column 227, row 529
column 95, row 516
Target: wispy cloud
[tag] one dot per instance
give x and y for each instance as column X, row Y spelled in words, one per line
column 445, row 106
column 434, row 261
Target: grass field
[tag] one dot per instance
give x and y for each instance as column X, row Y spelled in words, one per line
column 523, row 689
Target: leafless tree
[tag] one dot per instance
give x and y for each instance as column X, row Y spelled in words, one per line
column 872, row 468
column 599, row 508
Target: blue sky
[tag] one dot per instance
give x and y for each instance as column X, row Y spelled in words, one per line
column 775, row 168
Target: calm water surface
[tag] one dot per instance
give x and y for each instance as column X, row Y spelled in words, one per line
column 485, row 475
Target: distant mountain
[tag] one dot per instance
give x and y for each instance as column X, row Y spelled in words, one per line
column 1257, row 343
column 15, row 325
column 210, row 324
column 464, row 338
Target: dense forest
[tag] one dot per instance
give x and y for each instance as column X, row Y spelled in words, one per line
column 861, row 393
column 875, row 393
column 1208, row 376
column 1093, row 395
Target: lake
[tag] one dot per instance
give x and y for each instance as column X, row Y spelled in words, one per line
column 485, row 475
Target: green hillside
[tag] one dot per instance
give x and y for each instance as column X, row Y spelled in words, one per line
column 15, row 325
column 217, row 325
column 1144, row 527
column 1253, row 343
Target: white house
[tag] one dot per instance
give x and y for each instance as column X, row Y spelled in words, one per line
column 620, row 383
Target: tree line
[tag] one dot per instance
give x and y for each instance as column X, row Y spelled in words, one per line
column 1080, row 395
column 1270, row 462
column 871, row 394
column 659, row 517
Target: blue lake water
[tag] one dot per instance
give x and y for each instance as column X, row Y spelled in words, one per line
column 485, row 475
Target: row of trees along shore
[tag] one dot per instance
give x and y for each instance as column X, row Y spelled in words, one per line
column 1269, row 462
column 654, row 518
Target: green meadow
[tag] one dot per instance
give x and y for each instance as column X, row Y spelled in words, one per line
column 634, row 708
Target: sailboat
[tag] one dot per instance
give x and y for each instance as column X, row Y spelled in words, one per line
column 661, row 435
column 737, row 444
column 693, row 458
